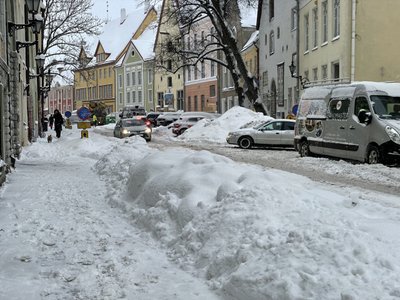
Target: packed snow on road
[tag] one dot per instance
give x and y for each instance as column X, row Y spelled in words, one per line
column 107, row 218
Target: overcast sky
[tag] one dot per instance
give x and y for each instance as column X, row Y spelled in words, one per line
column 114, row 7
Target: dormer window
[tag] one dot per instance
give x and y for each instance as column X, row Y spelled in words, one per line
column 100, row 57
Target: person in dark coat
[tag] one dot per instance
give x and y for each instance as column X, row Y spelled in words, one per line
column 58, row 122
column 51, row 121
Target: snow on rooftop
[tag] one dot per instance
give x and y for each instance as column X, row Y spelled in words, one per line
column 145, row 43
column 253, row 39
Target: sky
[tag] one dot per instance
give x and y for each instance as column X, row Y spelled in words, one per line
column 113, row 9
column 107, row 218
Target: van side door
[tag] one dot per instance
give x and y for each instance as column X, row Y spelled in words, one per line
column 336, row 128
column 359, row 133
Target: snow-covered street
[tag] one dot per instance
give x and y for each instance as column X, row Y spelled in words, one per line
column 107, row 218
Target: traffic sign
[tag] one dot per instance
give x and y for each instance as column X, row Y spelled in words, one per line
column 67, row 114
column 83, row 113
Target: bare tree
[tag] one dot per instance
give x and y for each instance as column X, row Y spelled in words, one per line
column 67, row 25
column 224, row 16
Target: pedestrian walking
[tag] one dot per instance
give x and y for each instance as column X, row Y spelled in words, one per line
column 58, row 122
column 94, row 120
column 51, row 121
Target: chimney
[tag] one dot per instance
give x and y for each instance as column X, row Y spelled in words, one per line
column 123, row 15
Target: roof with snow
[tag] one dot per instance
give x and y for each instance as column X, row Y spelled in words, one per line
column 252, row 40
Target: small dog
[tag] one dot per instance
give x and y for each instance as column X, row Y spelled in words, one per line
column 49, row 138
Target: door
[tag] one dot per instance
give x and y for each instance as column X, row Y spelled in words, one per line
column 358, row 132
column 270, row 134
column 287, row 134
column 335, row 128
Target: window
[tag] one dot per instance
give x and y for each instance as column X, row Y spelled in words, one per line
column 133, row 78
column 324, row 21
column 212, row 67
column 212, row 91
column 169, row 65
column 271, row 43
column 160, row 99
column 203, row 103
column 203, row 70
column 266, row 39
column 324, row 71
column 306, row 32
column 133, row 96
column 195, row 41
column 315, row 74
column 128, row 79
column 336, row 18
column 150, row 96
column 140, row 97
column 280, row 78
column 120, row 81
column 189, row 73
column 271, row 9
column 293, row 19
column 195, row 72
column 120, row 98
column 195, row 103
column 338, row 109
column 335, row 70
column 149, row 75
column 169, row 81
column 109, row 72
column 128, row 97
column 212, row 31
column 139, row 77
column 189, row 104
column 202, row 38
column 315, row 27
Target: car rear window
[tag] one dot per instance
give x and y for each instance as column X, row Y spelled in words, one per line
column 135, row 122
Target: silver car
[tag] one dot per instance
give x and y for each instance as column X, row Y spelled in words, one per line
column 133, row 126
column 274, row 133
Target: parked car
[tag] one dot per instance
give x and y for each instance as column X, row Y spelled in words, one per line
column 152, row 117
column 274, row 133
column 167, row 118
column 356, row 121
column 111, row 118
column 188, row 119
column 132, row 126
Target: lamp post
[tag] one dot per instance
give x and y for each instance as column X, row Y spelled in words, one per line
column 292, row 69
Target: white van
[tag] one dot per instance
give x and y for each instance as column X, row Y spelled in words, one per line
column 358, row 121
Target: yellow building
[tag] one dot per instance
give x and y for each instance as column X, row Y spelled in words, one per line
column 250, row 54
column 349, row 40
column 95, row 80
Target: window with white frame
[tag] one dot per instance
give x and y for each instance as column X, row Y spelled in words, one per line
column 212, row 67
column 324, row 13
column 293, row 19
column 133, row 78
column 120, row 97
column 133, row 96
column 128, row 97
column 315, row 26
column 128, row 79
column 203, row 69
column 189, row 73
column 271, row 9
column 139, row 77
column 149, row 75
column 315, row 74
column 271, row 43
column 150, row 96
column 140, row 97
column 306, row 32
column 120, row 80
column 336, row 18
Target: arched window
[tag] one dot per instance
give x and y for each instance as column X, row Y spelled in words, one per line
column 271, row 9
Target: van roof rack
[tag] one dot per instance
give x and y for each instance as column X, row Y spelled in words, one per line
column 327, row 82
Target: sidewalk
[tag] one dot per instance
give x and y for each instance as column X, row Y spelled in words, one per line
column 60, row 239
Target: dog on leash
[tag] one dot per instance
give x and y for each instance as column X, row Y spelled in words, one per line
column 49, row 138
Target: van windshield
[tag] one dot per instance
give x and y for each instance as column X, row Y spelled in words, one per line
column 386, row 107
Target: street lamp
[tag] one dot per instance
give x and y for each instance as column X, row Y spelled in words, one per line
column 292, row 69
column 33, row 5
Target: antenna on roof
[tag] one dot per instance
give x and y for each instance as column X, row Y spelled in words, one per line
column 107, row 18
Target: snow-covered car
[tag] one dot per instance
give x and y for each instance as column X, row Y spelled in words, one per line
column 187, row 120
column 275, row 133
column 133, row 126
column 167, row 118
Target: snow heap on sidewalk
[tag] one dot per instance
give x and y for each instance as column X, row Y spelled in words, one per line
column 216, row 130
column 260, row 234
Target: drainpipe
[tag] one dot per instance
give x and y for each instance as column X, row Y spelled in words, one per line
column 298, row 50
column 353, row 40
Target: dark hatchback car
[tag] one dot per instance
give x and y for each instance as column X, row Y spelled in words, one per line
column 152, row 117
column 133, row 126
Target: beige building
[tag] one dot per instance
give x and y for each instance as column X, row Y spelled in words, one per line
column 168, row 86
column 349, row 40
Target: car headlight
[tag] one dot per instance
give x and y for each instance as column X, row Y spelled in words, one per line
column 393, row 134
column 125, row 131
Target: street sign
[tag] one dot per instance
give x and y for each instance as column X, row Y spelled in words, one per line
column 83, row 113
column 67, row 114
column 84, row 125
column 294, row 109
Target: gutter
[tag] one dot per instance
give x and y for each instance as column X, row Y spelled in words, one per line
column 353, row 40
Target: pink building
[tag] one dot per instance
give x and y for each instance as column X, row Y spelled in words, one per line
column 61, row 98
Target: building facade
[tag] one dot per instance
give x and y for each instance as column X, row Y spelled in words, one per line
column 61, row 98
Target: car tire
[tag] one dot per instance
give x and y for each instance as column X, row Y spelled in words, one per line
column 373, row 155
column 304, row 149
column 245, row 142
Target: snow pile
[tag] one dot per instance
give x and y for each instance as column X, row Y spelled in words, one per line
column 257, row 234
column 216, row 130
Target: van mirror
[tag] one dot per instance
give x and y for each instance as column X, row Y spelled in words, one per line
column 364, row 116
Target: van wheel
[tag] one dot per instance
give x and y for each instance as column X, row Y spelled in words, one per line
column 245, row 142
column 304, row 149
column 373, row 155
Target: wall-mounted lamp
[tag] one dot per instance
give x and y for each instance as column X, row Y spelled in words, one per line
column 36, row 24
column 292, row 69
column 25, row 44
column 33, row 5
